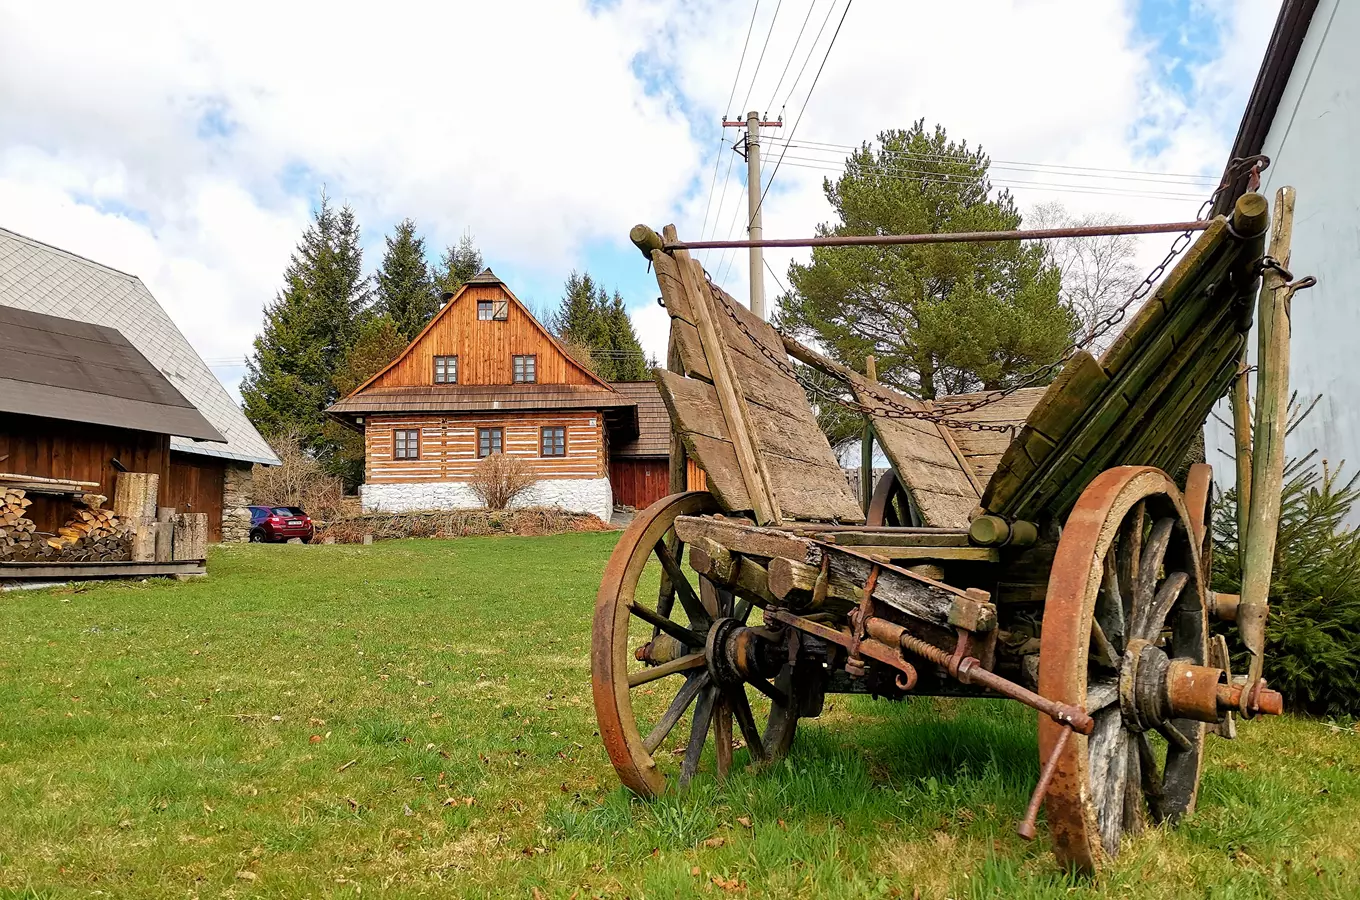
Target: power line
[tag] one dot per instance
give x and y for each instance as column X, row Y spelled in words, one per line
column 794, row 87
column 717, row 160
column 760, row 59
column 776, row 278
column 942, row 178
column 792, row 53
column 806, row 100
column 1184, row 180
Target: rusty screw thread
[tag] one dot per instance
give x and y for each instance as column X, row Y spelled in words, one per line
column 970, row 671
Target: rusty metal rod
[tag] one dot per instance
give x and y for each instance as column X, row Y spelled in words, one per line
column 970, row 671
column 958, row 237
column 1026, row 829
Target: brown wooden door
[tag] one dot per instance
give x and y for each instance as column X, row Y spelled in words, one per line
column 639, row 482
column 195, row 486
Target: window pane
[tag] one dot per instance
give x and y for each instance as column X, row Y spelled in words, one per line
column 484, row 309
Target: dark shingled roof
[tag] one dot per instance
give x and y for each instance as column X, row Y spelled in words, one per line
column 63, row 369
column 486, row 276
column 456, row 398
column 654, row 424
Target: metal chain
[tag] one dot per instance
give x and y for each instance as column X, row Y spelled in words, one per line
column 894, row 409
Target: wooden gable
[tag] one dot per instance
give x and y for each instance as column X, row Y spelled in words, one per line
column 485, row 348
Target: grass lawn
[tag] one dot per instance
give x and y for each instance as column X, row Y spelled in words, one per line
column 414, row 719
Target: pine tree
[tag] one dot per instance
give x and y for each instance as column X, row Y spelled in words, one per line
column 458, row 264
column 404, row 288
column 578, row 320
column 308, row 329
column 940, row 319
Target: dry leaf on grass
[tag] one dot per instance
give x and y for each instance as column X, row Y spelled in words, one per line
column 715, row 842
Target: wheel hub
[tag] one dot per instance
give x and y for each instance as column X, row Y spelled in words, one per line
column 735, row 653
column 1154, row 689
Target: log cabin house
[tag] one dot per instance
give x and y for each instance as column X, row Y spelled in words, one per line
column 484, row 377
column 211, row 477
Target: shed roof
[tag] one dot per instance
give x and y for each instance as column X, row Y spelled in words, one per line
column 63, row 369
column 654, row 423
column 44, row 279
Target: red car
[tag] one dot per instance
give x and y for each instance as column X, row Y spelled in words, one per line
column 279, row 523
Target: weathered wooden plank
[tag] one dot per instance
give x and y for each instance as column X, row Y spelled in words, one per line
column 740, row 536
column 119, row 569
column 730, row 397
column 1189, row 268
column 811, row 491
column 1077, row 386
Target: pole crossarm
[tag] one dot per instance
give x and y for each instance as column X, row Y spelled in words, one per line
column 958, row 237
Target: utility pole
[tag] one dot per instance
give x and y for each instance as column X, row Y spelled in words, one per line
column 753, row 124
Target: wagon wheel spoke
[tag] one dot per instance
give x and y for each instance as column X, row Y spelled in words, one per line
column 689, row 600
column 769, row 690
column 1151, row 777
column 698, row 734
column 653, row 673
column 1128, row 554
column 691, row 688
column 1166, row 597
column 722, row 735
column 1101, row 694
column 1149, row 573
column 741, row 709
column 682, row 634
column 666, row 600
column 743, row 611
column 1109, row 613
column 1108, row 752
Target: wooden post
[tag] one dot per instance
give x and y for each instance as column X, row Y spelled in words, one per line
column 191, row 536
column 1241, row 413
column 866, row 452
column 1267, row 464
column 134, row 495
column 165, row 534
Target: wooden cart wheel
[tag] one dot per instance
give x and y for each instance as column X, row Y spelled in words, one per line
column 890, row 504
column 1125, row 597
column 684, row 655
column 1199, row 502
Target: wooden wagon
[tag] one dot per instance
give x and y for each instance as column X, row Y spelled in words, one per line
column 1029, row 546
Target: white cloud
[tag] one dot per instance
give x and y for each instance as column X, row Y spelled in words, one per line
column 184, row 143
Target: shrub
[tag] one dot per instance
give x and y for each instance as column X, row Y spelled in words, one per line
column 500, row 478
column 299, row 480
column 1313, row 634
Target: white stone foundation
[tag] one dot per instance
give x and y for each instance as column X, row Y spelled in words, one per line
column 588, row 495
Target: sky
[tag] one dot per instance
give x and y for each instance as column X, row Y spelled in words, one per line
column 188, row 143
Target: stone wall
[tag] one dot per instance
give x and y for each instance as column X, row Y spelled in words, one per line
column 588, row 495
column 237, row 486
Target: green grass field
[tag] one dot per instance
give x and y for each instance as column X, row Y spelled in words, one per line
column 414, row 719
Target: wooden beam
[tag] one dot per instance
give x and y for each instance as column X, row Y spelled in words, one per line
column 55, row 570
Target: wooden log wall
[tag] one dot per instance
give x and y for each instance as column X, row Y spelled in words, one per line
column 484, row 348
column 448, row 445
column 51, row 448
column 195, row 486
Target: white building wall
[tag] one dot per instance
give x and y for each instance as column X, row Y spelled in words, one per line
column 1314, row 145
column 587, row 495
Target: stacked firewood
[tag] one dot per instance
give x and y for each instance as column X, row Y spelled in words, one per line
column 92, row 534
column 16, row 528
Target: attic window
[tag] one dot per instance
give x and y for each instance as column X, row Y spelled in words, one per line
column 446, row 370
column 526, row 369
column 493, row 310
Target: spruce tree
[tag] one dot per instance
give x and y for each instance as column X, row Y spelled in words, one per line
column 377, row 343
column 629, row 362
column 308, row 329
column 594, row 325
column 458, row 264
column 404, row 289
